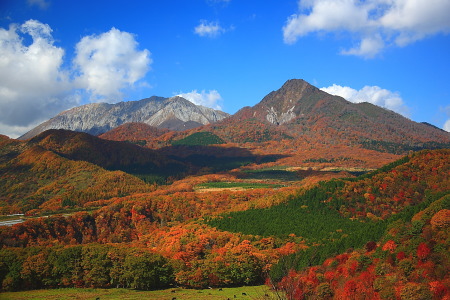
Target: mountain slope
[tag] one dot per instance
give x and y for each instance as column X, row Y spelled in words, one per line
column 401, row 213
column 410, row 261
column 138, row 133
column 299, row 110
column 173, row 113
column 300, row 105
column 41, row 179
column 75, row 167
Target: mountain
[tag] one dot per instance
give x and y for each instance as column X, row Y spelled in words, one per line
column 303, row 109
column 299, row 111
column 309, row 128
column 174, row 113
column 296, row 111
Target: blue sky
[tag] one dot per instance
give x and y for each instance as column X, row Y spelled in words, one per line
column 224, row 54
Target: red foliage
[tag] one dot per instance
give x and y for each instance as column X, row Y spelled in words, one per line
column 390, row 246
column 401, row 255
column 438, row 289
column 423, row 250
column 329, row 275
column 350, row 289
column 342, row 258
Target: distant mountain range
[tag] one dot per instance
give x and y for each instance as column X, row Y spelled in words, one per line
column 174, row 113
column 296, row 112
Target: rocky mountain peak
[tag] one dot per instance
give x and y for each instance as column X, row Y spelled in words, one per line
column 174, row 113
column 293, row 99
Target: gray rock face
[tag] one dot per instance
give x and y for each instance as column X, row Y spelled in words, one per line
column 279, row 118
column 174, row 113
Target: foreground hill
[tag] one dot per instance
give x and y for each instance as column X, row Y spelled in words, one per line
column 71, row 169
column 174, row 113
column 61, row 168
column 39, row 178
column 410, row 261
column 392, row 247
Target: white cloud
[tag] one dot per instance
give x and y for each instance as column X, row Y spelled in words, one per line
column 209, row 29
column 376, row 23
column 447, row 126
column 215, row 2
column 109, row 62
column 416, row 19
column 325, row 15
column 35, row 86
column 14, row 131
column 371, row 94
column 42, row 4
column 210, row 99
column 368, row 48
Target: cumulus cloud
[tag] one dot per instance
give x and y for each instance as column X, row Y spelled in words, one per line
column 109, row 62
column 376, row 23
column 210, row 99
column 371, row 94
column 209, row 29
column 35, row 85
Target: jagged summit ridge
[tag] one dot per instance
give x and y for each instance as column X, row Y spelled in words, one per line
column 174, row 113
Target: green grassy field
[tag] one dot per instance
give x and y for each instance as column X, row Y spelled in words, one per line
column 248, row 292
column 274, row 173
column 243, row 185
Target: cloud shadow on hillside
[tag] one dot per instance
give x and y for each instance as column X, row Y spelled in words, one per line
column 211, row 159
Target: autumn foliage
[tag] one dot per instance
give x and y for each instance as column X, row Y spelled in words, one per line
column 410, row 262
column 383, row 235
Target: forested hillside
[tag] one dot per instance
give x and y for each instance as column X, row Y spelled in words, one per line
column 41, row 179
column 62, row 169
column 410, row 261
column 381, row 234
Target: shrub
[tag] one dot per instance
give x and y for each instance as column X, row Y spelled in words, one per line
column 324, row 291
column 414, row 291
